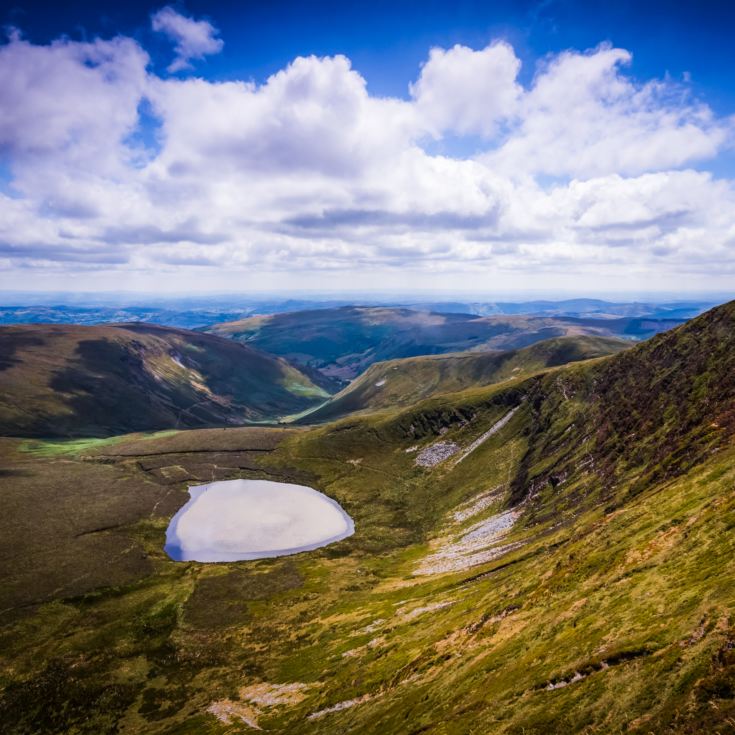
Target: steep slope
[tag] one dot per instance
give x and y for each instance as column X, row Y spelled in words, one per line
column 336, row 345
column 647, row 415
column 92, row 381
column 549, row 556
column 407, row 381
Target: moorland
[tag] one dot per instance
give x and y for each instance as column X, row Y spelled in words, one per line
column 543, row 529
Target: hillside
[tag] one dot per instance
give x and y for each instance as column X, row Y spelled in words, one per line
column 546, row 556
column 404, row 382
column 102, row 380
column 335, row 345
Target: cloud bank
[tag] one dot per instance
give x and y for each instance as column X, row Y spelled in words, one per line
column 111, row 168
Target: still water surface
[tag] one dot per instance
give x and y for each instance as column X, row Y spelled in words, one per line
column 236, row 520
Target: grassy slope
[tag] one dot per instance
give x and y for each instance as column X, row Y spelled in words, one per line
column 84, row 381
column 614, row 614
column 336, row 345
column 400, row 383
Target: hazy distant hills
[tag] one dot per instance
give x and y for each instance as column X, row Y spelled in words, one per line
column 335, row 345
column 595, row 308
column 102, row 380
column 95, row 315
column 193, row 313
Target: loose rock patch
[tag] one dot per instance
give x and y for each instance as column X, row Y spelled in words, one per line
column 476, row 546
column 435, row 453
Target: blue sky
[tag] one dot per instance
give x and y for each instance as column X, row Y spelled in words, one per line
column 198, row 148
column 388, row 40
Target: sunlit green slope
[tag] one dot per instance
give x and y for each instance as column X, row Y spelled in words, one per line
column 404, row 382
column 335, row 345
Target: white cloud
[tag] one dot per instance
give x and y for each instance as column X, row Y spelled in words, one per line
column 584, row 117
column 194, row 39
column 314, row 117
column 77, row 99
column 309, row 173
column 467, row 91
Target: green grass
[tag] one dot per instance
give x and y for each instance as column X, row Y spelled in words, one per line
column 405, row 382
column 615, row 615
column 305, row 389
column 53, row 447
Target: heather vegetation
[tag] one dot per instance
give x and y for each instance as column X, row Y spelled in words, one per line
column 566, row 569
column 72, row 381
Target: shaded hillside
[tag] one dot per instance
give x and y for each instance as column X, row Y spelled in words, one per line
column 645, row 416
column 97, row 381
column 336, row 345
column 407, row 381
column 546, row 556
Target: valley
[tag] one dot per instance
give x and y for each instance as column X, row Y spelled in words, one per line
column 403, row 382
column 367, row 368
column 334, row 346
column 567, row 567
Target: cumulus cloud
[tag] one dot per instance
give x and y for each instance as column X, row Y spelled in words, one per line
column 308, row 172
column 467, row 91
column 194, row 39
column 315, row 116
column 584, row 117
column 69, row 97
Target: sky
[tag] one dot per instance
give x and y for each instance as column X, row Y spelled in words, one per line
column 487, row 147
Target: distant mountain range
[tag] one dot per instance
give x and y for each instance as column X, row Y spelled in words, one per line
column 197, row 313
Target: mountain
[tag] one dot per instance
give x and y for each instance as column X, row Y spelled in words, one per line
column 201, row 311
column 335, row 345
column 594, row 308
column 543, row 555
column 403, row 382
column 102, row 380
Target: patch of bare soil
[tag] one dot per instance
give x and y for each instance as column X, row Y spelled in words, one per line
column 340, row 706
column 255, row 701
column 494, row 429
column 441, row 451
column 475, row 506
